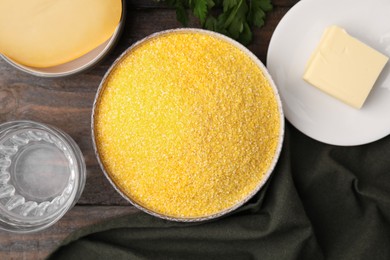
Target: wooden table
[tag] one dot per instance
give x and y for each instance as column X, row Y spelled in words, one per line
column 66, row 103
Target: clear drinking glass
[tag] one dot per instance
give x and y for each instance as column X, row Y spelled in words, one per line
column 42, row 175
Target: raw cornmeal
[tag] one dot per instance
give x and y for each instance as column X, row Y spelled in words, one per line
column 187, row 125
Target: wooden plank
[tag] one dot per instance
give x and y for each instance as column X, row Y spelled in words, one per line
column 40, row 245
column 262, row 36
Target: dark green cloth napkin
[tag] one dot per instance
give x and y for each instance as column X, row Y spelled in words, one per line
column 322, row 202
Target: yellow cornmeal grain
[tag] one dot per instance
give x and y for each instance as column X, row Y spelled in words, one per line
column 187, row 125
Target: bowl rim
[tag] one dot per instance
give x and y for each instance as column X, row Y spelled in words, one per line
column 271, row 167
column 109, row 44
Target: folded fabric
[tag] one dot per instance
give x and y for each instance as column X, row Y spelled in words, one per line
column 322, row 201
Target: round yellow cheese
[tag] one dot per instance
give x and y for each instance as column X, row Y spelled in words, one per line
column 45, row 33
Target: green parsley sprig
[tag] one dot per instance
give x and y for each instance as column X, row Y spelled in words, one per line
column 234, row 18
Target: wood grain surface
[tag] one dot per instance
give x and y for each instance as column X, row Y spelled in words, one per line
column 67, row 103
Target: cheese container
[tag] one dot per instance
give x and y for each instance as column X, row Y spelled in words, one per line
column 81, row 62
column 187, row 125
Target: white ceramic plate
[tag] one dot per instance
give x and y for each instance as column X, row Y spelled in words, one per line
column 313, row 112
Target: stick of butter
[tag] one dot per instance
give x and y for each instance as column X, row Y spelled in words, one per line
column 45, row 33
column 344, row 67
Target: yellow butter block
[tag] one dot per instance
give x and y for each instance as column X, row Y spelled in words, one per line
column 45, row 33
column 344, row 67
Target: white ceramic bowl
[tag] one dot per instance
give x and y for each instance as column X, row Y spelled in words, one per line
column 276, row 155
